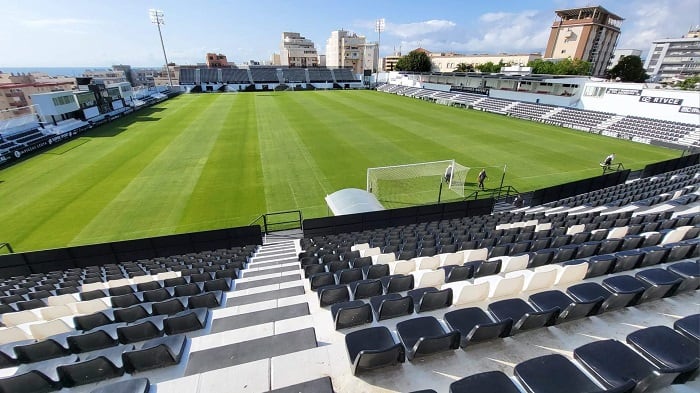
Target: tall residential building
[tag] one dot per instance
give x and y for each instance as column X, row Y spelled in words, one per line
column 127, row 70
column 674, row 57
column 389, row 62
column 217, row 60
column 586, row 33
column 349, row 50
column 297, row 51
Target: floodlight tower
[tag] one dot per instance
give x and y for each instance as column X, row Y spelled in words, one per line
column 157, row 18
column 379, row 27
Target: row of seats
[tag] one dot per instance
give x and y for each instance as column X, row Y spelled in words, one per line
column 385, row 302
column 374, row 347
column 457, row 231
column 163, row 281
column 48, row 313
column 653, row 358
column 631, row 250
column 236, row 257
column 75, row 370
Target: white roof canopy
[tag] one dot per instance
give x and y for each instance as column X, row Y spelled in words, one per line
column 351, row 201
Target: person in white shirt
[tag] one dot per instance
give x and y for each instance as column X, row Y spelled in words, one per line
column 448, row 173
column 608, row 160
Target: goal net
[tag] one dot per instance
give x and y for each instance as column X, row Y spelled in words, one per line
column 416, row 184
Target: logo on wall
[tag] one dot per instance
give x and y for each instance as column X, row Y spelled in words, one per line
column 17, row 154
column 624, row 92
column 689, row 109
column 661, row 100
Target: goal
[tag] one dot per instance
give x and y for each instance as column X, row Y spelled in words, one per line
column 416, row 184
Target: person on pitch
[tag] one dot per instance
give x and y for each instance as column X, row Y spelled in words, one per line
column 608, row 160
column 448, row 173
column 481, row 177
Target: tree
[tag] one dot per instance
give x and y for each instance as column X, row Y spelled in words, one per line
column 416, row 61
column 540, row 66
column 629, row 69
column 464, row 67
column 690, row 83
column 562, row 67
column 489, row 67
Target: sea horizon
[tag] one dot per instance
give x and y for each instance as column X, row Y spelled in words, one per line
column 60, row 71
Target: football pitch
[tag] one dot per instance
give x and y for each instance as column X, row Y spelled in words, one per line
column 208, row 161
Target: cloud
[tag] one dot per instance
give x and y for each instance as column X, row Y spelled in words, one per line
column 407, row 30
column 524, row 31
column 646, row 22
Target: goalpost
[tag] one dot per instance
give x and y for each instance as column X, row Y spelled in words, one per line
column 415, row 184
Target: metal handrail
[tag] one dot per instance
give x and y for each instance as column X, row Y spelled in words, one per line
column 8, row 246
column 496, row 193
column 267, row 224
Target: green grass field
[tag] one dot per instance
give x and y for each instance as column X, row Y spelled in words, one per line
column 210, row 161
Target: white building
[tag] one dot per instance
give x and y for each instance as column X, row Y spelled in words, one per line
column 448, row 62
column 349, row 50
column 620, row 53
column 297, row 51
column 674, row 58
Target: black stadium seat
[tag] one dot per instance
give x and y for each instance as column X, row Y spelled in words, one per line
column 475, row 325
column 569, row 309
column 352, row 313
column 95, row 367
column 689, row 327
column 424, row 336
column 553, row 373
column 429, row 298
column 372, row 348
column 391, row 305
column 486, row 382
column 667, row 349
column 615, row 365
column 157, row 353
column 524, row 317
column 133, row 385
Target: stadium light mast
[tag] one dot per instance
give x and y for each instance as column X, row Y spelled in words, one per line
column 379, row 27
column 157, row 18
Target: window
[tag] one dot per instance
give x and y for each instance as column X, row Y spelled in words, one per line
column 62, row 100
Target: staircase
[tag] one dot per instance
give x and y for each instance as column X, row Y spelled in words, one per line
column 609, row 122
column 265, row 330
column 551, row 113
column 692, row 139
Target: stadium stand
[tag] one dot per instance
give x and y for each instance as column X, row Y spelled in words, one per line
column 641, row 129
column 187, row 76
column 264, row 75
column 235, row 75
column 294, row 75
column 209, row 75
column 343, row 75
column 581, row 118
column 320, row 75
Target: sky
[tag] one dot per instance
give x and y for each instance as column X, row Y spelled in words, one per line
column 89, row 33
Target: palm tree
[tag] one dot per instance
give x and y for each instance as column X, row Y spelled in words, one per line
column 464, row 67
